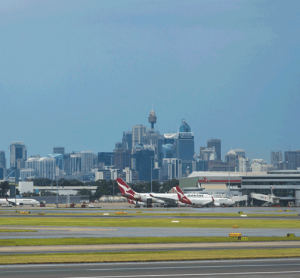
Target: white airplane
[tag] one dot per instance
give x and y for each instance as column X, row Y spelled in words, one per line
column 223, row 201
column 194, row 198
column 19, row 202
column 132, row 202
column 127, row 192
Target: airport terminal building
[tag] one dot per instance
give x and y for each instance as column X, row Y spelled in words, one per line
column 283, row 184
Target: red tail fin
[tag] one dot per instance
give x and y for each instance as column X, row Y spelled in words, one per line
column 126, row 191
column 181, row 197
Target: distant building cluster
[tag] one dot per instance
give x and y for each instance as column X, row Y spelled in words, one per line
column 142, row 154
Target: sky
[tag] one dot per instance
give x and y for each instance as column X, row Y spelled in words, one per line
column 78, row 73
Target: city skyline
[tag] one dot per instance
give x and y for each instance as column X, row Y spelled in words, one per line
column 77, row 75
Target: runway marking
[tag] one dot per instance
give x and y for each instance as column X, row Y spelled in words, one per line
column 188, row 274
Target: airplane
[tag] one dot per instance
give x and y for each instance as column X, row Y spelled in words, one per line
column 127, row 192
column 194, row 198
column 19, row 202
column 223, row 201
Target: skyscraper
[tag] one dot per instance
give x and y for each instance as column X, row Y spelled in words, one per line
column 60, row 150
column 184, row 147
column 87, row 161
column 293, row 159
column 18, row 155
column 276, row 158
column 137, row 134
column 217, row 144
column 2, row 160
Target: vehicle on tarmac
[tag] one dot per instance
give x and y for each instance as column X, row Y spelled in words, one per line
column 19, row 202
column 194, row 198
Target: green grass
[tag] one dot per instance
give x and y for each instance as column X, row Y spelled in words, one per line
column 150, row 222
column 129, row 240
column 148, row 256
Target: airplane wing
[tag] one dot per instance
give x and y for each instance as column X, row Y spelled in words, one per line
column 164, row 198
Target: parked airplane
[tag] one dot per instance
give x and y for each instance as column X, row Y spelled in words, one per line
column 127, row 192
column 19, row 202
column 223, row 201
column 194, row 198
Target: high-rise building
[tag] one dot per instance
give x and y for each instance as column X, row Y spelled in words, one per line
column 232, row 158
column 240, row 152
column 18, row 155
column 127, row 140
column 143, row 162
column 60, row 150
column 46, row 168
column 87, row 161
column 171, row 168
column 293, row 159
column 137, row 134
column 216, row 143
column 276, row 158
column 59, row 160
column 2, row 160
column 75, row 163
column 122, row 159
column 106, row 158
column 184, row 147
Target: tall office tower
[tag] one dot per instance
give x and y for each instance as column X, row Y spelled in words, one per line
column 2, row 160
column 184, row 147
column 60, row 150
column 122, row 158
column 276, row 158
column 152, row 118
column 118, row 146
column 59, row 157
column 137, row 134
column 217, row 144
column 67, row 163
column 293, row 159
column 46, row 168
column 127, row 140
column 172, row 168
column 106, row 158
column 240, row 152
column 87, row 159
column 184, row 127
column 18, row 155
column 75, row 163
column 208, row 153
column 143, row 162
column 231, row 158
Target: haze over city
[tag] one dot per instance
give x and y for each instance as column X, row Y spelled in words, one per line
column 79, row 73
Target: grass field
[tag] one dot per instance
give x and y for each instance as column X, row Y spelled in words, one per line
column 150, row 222
column 148, row 256
column 127, row 240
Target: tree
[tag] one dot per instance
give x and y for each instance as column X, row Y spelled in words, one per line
column 4, row 186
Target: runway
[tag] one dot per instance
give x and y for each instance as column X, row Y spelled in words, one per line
column 145, row 247
column 230, row 268
column 79, row 232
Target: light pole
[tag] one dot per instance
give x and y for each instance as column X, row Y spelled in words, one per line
column 151, row 171
column 56, row 189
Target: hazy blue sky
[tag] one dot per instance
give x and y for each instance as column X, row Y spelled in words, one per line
column 79, row 73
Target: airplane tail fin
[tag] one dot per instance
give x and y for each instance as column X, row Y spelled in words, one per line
column 182, row 197
column 126, row 191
